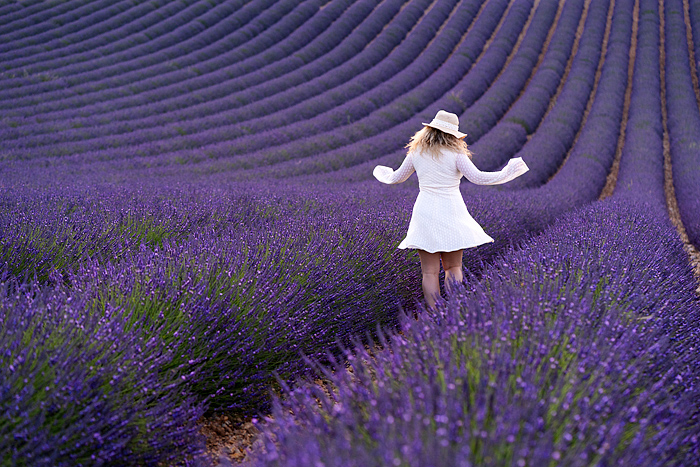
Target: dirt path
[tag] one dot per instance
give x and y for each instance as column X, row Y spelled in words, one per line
column 228, row 435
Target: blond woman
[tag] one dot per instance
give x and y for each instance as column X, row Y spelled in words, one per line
column 441, row 226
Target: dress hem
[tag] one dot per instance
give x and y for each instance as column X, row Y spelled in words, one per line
column 415, row 247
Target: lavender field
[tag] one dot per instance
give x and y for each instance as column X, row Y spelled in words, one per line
column 190, row 231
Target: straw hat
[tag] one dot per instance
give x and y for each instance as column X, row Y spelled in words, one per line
column 447, row 122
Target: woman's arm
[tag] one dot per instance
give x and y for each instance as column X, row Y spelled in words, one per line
column 389, row 176
column 515, row 168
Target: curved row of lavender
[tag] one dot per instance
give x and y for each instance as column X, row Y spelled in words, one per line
column 205, row 113
column 551, row 142
column 229, row 109
column 279, row 21
column 467, row 90
column 269, row 48
column 503, row 140
column 130, row 39
column 683, row 122
column 144, row 284
column 323, row 113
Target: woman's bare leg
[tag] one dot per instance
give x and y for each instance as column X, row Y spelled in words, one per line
column 430, row 267
column 452, row 264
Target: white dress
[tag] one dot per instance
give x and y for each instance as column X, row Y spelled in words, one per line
column 440, row 219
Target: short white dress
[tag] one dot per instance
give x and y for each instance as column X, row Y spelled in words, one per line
column 440, row 220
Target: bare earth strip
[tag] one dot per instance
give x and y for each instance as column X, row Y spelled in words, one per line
column 671, row 202
column 545, row 47
column 228, row 435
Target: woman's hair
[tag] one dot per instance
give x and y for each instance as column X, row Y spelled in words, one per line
column 431, row 140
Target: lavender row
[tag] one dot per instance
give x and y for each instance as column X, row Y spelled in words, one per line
column 206, row 293
column 396, row 87
column 348, row 59
column 641, row 172
column 694, row 17
column 35, row 20
column 583, row 175
column 269, row 39
column 99, row 63
column 502, row 141
column 94, row 35
column 163, row 77
column 251, row 279
column 547, row 148
column 13, row 11
column 68, row 23
column 197, row 116
column 83, row 388
column 359, row 170
column 683, row 121
column 540, row 363
column 32, row 11
column 506, row 88
column 590, row 161
column 383, row 143
column 95, row 42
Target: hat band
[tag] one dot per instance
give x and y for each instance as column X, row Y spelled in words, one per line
column 445, row 124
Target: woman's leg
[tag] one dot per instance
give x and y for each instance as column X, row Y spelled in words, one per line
column 430, row 267
column 452, row 264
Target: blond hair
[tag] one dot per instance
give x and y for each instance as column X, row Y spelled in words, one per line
column 431, row 141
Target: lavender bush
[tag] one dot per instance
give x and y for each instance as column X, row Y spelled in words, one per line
column 507, row 137
column 562, row 354
column 641, row 174
column 251, row 282
column 80, row 388
column 683, row 121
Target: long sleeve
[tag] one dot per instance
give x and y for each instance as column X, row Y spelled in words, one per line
column 389, row 176
column 515, row 168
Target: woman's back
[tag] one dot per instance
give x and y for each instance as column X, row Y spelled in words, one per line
column 437, row 173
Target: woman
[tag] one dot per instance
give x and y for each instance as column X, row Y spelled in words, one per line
column 441, row 227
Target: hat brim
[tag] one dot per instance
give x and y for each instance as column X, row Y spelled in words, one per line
column 458, row 134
